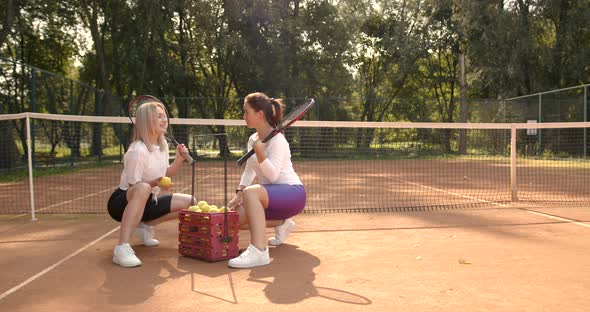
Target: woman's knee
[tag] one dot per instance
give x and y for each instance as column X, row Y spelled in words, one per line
column 255, row 193
column 181, row 201
column 141, row 189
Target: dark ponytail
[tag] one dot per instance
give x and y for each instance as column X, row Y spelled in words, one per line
column 272, row 108
column 278, row 106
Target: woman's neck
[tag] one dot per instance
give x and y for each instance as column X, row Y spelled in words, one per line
column 263, row 131
column 153, row 140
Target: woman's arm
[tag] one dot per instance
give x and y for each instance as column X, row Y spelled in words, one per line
column 178, row 160
column 277, row 153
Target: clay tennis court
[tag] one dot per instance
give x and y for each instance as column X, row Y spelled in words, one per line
column 332, row 185
column 481, row 253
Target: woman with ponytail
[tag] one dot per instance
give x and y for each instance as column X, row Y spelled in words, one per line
column 279, row 194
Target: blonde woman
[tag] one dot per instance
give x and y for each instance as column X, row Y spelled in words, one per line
column 135, row 203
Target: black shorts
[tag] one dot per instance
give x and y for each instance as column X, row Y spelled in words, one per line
column 153, row 209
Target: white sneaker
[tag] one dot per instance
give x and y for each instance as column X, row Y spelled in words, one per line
column 251, row 257
column 146, row 233
column 125, row 256
column 281, row 232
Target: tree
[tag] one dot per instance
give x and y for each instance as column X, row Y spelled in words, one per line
column 392, row 40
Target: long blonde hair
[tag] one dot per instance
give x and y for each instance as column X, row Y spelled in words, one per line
column 145, row 118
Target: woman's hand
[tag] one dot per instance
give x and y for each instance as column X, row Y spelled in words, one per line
column 258, row 146
column 155, row 182
column 181, row 151
column 235, row 202
column 158, row 182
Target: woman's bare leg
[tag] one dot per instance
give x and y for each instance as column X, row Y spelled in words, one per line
column 137, row 196
column 255, row 200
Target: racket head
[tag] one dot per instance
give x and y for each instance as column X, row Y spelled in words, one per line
column 295, row 114
column 139, row 100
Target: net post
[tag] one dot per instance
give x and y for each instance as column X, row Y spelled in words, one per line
column 30, row 164
column 513, row 187
column 585, row 102
column 539, row 138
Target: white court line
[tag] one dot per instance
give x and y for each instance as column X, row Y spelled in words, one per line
column 556, row 217
column 498, row 204
column 452, row 193
column 62, row 203
column 48, row 269
column 199, row 180
column 94, row 194
column 55, row 265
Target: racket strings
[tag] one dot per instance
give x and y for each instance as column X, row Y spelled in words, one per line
column 143, row 99
column 292, row 115
column 138, row 101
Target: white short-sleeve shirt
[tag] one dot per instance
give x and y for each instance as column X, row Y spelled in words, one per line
column 142, row 165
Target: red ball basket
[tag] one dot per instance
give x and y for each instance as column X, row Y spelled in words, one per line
column 204, row 236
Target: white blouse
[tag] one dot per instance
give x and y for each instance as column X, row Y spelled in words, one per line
column 142, row 165
column 276, row 168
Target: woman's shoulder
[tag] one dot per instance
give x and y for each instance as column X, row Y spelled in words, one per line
column 281, row 137
column 137, row 147
column 279, row 141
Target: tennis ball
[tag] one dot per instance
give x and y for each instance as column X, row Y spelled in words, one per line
column 193, row 208
column 213, row 210
column 223, row 209
column 202, row 203
column 205, row 208
column 165, row 181
column 213, row 207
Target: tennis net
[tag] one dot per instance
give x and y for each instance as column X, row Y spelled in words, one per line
column 71, row 164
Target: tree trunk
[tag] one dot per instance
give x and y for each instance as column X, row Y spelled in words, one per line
column 462, row 106
column 101, row 106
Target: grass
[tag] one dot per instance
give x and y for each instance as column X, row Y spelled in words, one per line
column 112, row 157
column 22, row 173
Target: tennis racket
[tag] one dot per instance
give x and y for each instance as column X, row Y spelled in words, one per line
column 287, row 121
column 142, row 99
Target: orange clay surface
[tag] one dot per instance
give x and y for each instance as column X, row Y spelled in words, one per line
column 511, row 258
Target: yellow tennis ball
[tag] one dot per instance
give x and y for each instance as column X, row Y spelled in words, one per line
column 205, row 208
column 202, row 203
column 213, row 210
column 193, row 208
column 165, row 181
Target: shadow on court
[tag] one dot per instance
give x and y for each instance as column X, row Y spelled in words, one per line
column 123, row 286
column 475, row 260
column 290, row 279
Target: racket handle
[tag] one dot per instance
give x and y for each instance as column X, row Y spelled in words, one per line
column 243, row 159
column 188, row 157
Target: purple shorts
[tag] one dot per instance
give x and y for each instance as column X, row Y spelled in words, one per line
column 284, row 201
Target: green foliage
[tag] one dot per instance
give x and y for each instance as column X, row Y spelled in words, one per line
column 362, row 57
column 22, row 174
